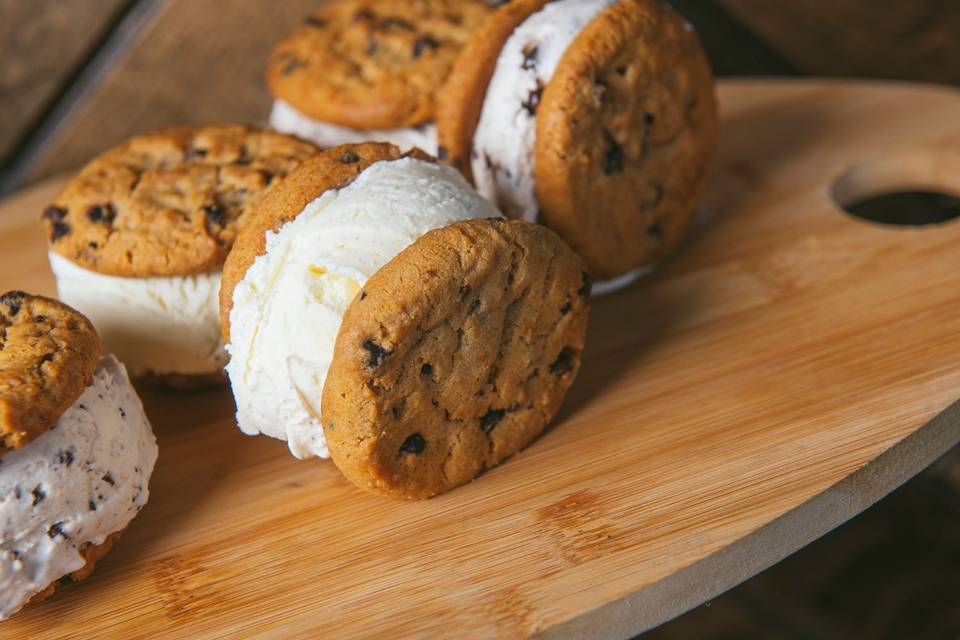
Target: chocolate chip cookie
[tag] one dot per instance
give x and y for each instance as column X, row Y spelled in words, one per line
column 168, row 203
column 626, row 131
column 48, row 355
column 454, row 356
column 372, row 64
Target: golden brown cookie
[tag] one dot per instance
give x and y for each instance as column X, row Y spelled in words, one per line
column 331, row 169
column 48, row 355
column 460, row 100
column 168, row 203
column 626, row 132
column 454, row 356
column 372, row 64
column 91, row 553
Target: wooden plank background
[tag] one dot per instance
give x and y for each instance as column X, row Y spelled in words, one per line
column 77, row 77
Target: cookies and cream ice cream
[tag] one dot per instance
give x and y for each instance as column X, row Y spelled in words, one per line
column 159, row 325
column 503, row 156
column 286, row 119
column 288, row 307
column 76, row 484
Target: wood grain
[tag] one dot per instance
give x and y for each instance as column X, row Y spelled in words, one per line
column 195, row 62
column 777, row 377
column 914, row 40
column 43, row 43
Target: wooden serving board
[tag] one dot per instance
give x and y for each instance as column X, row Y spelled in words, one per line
column 790, row 367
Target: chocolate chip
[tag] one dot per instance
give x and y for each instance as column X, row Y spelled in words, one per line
column 413, row 444
column 533, row 99
column 397, row 410
column 193, row 154
column 426, row 369
column 473, row 306
column 655, row 230
column 40, row 318
column 123, row 414
column 621, row 71
column 491, row 418
column 530, row 53
column 58, row 230
column 38, row 495
column 564, row 362
column 422, row 43
column 442, row 153
column 363, row 14
column 613, row 156
column 565, row 309
column 92, row 505
column 54, row 214
column 109, row 479
column 349, row 157
column 363, row 295
column 267, row 176
column 585, row 286
column 215, row 213
column 315, row 21
column 55, row 530
column 92, row 245
column 65, row 456
column 377, row 354
column 13, row 300
column 291, row 65
column 101, row 213
column 393, row 22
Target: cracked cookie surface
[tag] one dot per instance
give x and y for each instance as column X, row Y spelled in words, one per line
column 48, row 355
column 626, row 130
column 454, row 356
column 372, row 64
column 168, row 203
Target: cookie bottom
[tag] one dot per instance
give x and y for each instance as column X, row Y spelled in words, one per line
column 92, row 553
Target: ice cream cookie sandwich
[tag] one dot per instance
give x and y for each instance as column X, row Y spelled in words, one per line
column 378, row 310
column 596, row 118
column 360, row 70
column 76, row 449
column 138, row 238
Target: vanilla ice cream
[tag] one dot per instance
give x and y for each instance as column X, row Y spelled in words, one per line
column 286, row 119
column 77, row 483
column 288, row 307
column 160, row 325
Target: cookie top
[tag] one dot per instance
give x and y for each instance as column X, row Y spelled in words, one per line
column 626, row 132
column 168, row 203
column 461, row 98
column 48, row 355
column 454, row 356
column 372, row 64
column 330, row 169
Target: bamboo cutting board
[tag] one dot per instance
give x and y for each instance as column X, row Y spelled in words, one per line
column 778, row 376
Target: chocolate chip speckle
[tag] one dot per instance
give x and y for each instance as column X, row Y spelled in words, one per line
column 422, row 43
column 38, row 495
column 413, row 444
column 376, row 353
column 564, row 362
column 109, row 479
column 54, row 214
column 613, row 155
column 215, row 213
column 491, row 418
column 56, row 530
column 530, row 53
column 13, row 300
column 349, row 157
column 426, row 369
column 58, row 230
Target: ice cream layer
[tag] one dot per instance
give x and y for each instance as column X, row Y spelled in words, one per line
column 162, row 325
column 77, row 483
column 286, row 119
column 502, row 159
column 288, row 307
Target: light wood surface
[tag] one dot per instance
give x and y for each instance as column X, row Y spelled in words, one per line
column 776, row 378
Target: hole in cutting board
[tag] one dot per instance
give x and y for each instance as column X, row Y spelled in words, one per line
column 912, row 190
